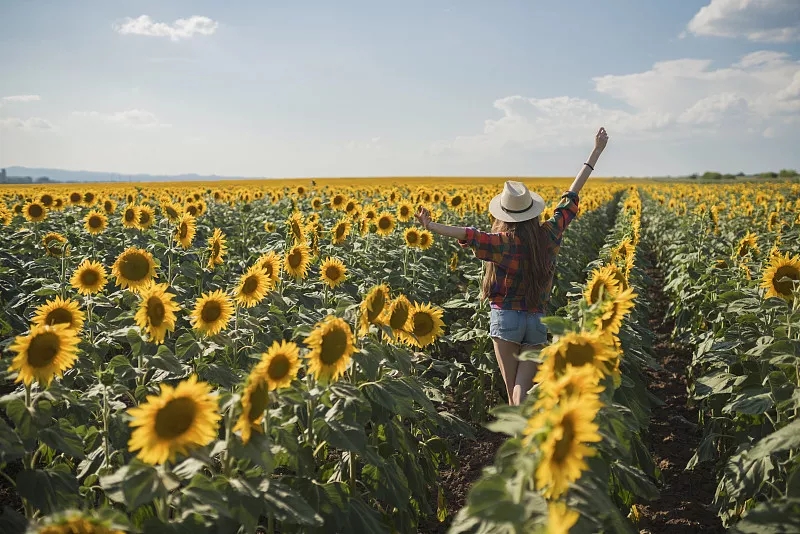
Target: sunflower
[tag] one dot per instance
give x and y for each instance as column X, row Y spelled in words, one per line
column 212, row 312
column 297, row 260
column 560, row 518
column 134, row 268
column 577, row 349
column 749, row 243
column 109, row 206
column 340, row 231
column 270, row 262
column 59, row 311
column 373, row 307
column 297, row 227
column 454, row 262
column 577, row 382
column 614, row 311
column 397, row 316
column 411, row 235
column 146, row 217
column 331, row 344
column 337, row 202
column 95, row 222
column 600, row 285
column 780, row 275
column 130, row 216
column 425, row 325
column 44, row 353
column 55, row 244
column 89, row 198
column 46, row 200
column 332, row 272
column 35, row 211
column 425, row 239
column 156, row 313
column 564, row 448
column 316, row 203
column 404, row 211
column 456, row 202
column 216, row 248
column 280, row 364
column 255, row 400
column 269, row 226
column 175, row 421
column 73, row 522
column 385, row 223
column 253, row 287
column 184, row 233
column 171, row 211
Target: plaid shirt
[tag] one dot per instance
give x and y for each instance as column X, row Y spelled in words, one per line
column 508, row 253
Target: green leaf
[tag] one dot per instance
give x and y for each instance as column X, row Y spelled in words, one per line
column 490, row 500
column 165, row 360
column 11, row 446
column 186, row 347
column 133, row 485
column 750, row 404
column 64, row 439
column 779, row 516
column 635, row 481
column 288, row 505
column 49, row 490
column 784, row 439
column 11, row 522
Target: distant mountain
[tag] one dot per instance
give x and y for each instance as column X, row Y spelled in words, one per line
column 61, row 175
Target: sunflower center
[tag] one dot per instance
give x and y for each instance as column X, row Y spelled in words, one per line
column 95, row 222
column 144, row 217
column 384, row 223
column 211, row 311
column 130, row 215
column 423, row 324
column 295, row 258
column 259, row 398
column 334, row 344
column 278, row 367
column 43, row 349
column 579, row 354
column 89, row 277
column 404, row 211
column 456, row 201
column 108, row 206
column 35, row 210
column 563, row 446
column 332, row 272
column 184, row 230
column 47, row 200
column 399, row 317
column 423, row 240
column 267, row 266
column 155, row 311
column 785, row 287
column 135, row 267
column 376, row 306
column 215, row 249
column 175, row 418
column 75, row 198
column 59, row 316
column 340, row 231
column 250, row 285
column 412, row 237
column 595, row 292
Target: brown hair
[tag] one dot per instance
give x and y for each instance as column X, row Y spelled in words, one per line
column 537, row 268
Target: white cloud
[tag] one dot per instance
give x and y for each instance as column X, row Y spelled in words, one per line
column 21, row 98
column 135, row 118
column 370, row 144
column 31, row 124
column 775, row 21
column 674, row 99
column 180, row 29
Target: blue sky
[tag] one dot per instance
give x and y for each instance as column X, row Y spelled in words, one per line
column 366, row 88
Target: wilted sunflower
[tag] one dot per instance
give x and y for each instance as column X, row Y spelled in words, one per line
column 212, row 312
column 405, row 211
column 577, row 349
column 146, row 217
column 385, row 223
column 780, row 275
column 134, row 268
column 35, row 211
column 187, row 227
column 373, row 307
column 332, row 272
column 411, row 235
column 59, row 311
column 55, row 244
column 564, row 448
column 176, row 421
column 280, row 364
column 297, row 260
column 44, row 353
column 130, row 216
column 95, row 222
column 425, row 239
column 270, row 262
column 253, row 287
column 156, row 313
column 216, row 248
column 425, row 323
column 331, row 344
column 397, row 316
column 614, row 311
column 340, row 231
column 560, row 518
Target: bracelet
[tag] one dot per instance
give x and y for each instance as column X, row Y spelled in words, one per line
column 589, row 166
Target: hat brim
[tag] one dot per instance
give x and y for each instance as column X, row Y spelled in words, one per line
column 497, row 211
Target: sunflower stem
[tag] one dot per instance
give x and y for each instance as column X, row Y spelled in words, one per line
column 106, row 447
column 27, row 395
column 236, row 337
column 352, row 461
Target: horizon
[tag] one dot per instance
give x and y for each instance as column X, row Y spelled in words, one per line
column 430, row 89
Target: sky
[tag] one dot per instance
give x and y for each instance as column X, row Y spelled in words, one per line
column 272, row 88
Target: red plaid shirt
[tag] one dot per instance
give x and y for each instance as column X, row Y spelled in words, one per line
column 508, row 253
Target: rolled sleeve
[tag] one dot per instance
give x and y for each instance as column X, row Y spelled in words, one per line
column 564, row 213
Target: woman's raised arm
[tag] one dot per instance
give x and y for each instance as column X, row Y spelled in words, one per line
column 600, row 141
column 424, row 218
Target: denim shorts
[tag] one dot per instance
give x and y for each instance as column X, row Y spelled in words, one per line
column 518, row 327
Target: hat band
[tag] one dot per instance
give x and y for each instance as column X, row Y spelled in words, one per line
column 505, row 209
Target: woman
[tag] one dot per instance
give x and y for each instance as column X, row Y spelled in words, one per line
column 520, row 253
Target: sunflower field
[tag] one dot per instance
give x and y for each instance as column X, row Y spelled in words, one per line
column 302, row 357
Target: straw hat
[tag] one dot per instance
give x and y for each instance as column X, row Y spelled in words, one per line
column 516, row 203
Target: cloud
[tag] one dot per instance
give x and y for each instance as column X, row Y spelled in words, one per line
column 370, row 144
column 675, row 99
column 134, row 118
column 31, row 124
column 21, row 98
column 180, row 29
column 776, row 21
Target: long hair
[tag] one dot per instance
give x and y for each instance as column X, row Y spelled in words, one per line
column 537, row 268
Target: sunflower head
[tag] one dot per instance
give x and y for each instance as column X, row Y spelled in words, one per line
column 55, row 244
column 35, row 211
column 397, row 315
column 332, row 272
column 270, row 262
column 44, row 353
column 614, row 311
column 425, row 239
column 425, row 325
column 95, row 222
column 156, row 313
column 60, row 311
column 578, row 349
column 280, row 364
column 185, row 230
column 72, row 522
column 411, row 236
column 331, row 344
column 297, row 261
column 216, row 248
column 146, row 217
column 134, row 268
column 130, row 216
column 781, row 276
column 255, row 400
column 373, row 307
column 212, row 312
column 385, row 224
column 253, row 287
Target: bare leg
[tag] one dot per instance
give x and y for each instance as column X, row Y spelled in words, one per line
column 523, row 381
column 506, row 353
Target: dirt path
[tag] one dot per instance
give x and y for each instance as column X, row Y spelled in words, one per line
column 684, row 506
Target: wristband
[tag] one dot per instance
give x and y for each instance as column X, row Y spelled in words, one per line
column 589, row 166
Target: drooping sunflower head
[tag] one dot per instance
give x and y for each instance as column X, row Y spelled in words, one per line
column 578, row 349
column 55, row 244
column 332, row 272
column 156, row 313
column 425, row 325
column 331, row 344
column 748, row 245
column 212, row 312
column 44, row 353
column 373, row 307
column 60, row 311
column 185, row 230
column 171, row 211
column 425, row 239
column 35, row 211
column 134, row 268
column 130, row 216
column 89, row 278
column 614, row 311
column 780, row 277
column 95, row 222
column 174, row 422
column 216, row 248
column 253, row 287
column 297, row 227
column 297, row 261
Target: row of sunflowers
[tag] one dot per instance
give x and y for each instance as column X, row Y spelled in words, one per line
column 733, row 273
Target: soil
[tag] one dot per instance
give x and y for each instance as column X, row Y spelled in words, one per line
column 686, row 496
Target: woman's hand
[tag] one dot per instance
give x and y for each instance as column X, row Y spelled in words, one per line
column 423, row 216
column 600, row 140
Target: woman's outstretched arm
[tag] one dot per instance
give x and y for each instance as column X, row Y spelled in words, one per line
column 424, row 218
column 600, row 141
